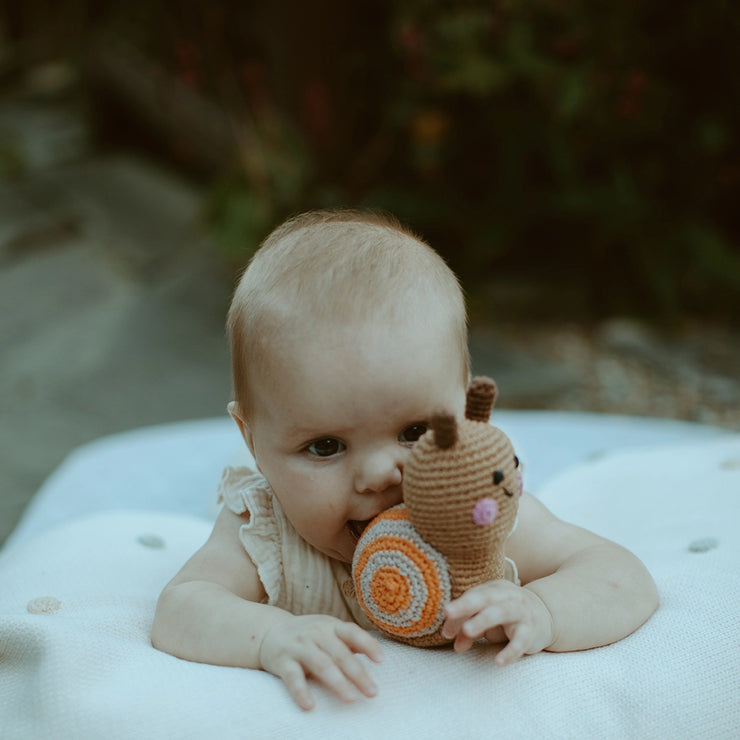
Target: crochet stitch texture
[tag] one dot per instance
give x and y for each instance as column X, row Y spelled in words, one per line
column 461, row 496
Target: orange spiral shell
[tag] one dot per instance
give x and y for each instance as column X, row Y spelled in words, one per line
column 401, row 582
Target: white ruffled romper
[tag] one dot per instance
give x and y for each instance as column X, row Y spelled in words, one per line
column 296, row 576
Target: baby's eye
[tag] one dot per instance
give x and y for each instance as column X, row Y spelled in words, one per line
column 326, row 447
column 412, row 433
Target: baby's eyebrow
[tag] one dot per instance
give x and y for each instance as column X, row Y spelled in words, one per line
column 308, row 433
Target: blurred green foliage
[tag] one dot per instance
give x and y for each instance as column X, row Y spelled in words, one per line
column 590, row 147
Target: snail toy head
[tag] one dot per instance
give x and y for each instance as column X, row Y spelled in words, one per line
column 461, row 496
column 461, row 485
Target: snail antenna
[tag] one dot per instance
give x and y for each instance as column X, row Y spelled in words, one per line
column 445, row 430
column 480, row 398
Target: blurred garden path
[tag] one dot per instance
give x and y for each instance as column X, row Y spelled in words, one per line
column 111, row 310
column 112, row 306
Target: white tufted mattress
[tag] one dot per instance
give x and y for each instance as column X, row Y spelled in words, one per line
column 80, row 577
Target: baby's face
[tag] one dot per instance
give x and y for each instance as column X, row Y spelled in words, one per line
column 334, row 416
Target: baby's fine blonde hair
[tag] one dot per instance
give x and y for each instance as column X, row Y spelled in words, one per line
column 344, row 266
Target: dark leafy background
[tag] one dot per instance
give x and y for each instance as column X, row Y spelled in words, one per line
column 586, row 152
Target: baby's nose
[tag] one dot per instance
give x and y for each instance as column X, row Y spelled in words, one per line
column 379, row 471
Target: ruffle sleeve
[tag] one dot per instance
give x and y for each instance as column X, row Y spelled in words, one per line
column 296, row 576
column 248, row 494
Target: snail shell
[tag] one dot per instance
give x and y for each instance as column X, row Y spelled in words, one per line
column 401, row 582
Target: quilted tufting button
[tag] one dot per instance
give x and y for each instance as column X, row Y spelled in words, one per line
column 151, row 540
column 44, row 605
column 703, row 544
column 731, row 463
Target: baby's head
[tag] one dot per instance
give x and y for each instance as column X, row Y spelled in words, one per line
column 345, row 270
column 347, row 335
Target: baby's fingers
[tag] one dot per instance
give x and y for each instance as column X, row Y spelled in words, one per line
column 332, row 673
column 360, row 641
column 355, row 640
column 487, row 622
column 294, row 678
column 484, row 621
column 340, row 670
column 344, row 674
column 456, row 617
column 460, row 611
column 517, row 646
column 320, row 666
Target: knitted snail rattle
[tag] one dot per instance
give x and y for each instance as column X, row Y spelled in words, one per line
column 461, row 492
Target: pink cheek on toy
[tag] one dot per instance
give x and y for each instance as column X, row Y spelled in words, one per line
column 521, row 482
column 485, row 511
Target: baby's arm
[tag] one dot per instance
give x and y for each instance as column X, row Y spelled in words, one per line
column 210, row 613
column 580, row 591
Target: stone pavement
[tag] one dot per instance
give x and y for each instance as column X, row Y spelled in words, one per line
column 111, row 311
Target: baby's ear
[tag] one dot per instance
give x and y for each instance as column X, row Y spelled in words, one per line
column 238, row 417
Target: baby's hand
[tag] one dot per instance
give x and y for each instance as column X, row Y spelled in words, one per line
column 323, row 647
column 498, row 610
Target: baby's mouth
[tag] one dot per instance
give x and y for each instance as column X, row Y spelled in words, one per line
column 357, row 527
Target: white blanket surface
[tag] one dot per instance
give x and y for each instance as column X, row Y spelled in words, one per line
column 77, row 601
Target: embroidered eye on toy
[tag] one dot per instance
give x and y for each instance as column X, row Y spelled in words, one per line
column 461, row 490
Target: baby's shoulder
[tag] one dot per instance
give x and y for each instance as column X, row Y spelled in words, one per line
column 245, row 491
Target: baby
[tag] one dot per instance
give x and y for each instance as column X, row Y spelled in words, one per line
column 347, row 333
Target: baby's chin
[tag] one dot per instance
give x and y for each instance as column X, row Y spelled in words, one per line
column 345, row 550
